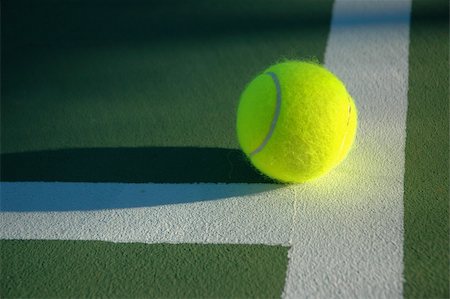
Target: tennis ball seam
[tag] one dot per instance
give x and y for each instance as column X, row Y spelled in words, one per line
column 309, row 134
column 277, row 114
column 275, row 117
column 346, row 130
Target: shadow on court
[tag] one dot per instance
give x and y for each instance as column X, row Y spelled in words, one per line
column 67, row 180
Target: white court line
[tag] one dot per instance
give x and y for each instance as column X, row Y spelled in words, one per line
column 347, row 239
column 212, row 213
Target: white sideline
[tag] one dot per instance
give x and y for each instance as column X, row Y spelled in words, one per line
column 347, row 239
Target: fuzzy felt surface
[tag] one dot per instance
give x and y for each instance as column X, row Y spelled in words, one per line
column 316, row 126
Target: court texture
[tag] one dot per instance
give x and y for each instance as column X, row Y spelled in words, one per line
column 122, row 177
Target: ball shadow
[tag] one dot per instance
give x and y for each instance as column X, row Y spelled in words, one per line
column 176, row 174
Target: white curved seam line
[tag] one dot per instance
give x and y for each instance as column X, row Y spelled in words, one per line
column 275, row 117
column 346, row 131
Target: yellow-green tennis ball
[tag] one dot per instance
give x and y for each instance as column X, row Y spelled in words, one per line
column 296, row 121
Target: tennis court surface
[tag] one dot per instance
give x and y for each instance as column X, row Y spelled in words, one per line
column 121, row 173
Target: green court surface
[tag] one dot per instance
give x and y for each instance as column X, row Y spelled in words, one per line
column 141, row 75
column 103, row 269
column 164, row 95
column 145, row 92
column 427, row 156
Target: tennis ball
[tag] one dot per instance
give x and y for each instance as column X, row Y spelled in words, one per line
column 296, row 121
